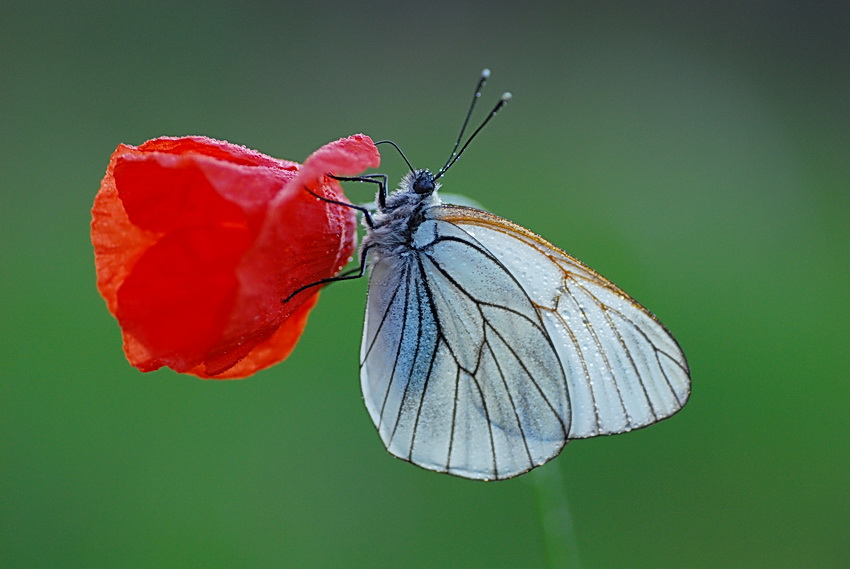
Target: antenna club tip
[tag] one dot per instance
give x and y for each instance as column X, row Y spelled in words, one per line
column 485, row 73
column 506, row 97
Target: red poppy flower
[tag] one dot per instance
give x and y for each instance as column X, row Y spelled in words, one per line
column 197, row 241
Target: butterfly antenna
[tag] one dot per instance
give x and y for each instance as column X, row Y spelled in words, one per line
column 502, row 101
column 485, row 74
column 394, row 145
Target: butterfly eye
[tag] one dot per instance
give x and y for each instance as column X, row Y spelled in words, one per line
column 424, row 182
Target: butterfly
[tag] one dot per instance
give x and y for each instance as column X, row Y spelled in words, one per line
column 486, row 348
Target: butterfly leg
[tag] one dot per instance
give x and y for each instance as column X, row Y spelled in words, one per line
column 355, row 273
column 366, row 214
column 380, row 179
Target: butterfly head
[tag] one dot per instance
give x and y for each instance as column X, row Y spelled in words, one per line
column 423, row 183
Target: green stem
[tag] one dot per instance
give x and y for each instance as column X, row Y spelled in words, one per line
column 557, row 523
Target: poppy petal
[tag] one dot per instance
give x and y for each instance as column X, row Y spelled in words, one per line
column 197, row 241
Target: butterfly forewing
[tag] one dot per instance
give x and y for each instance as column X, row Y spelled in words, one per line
column 622, row 367
column 459, row 371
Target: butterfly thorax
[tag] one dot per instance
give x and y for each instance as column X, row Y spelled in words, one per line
column 394, row 224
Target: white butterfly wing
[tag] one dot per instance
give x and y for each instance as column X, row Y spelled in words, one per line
column 623, row 369
column 458, row 369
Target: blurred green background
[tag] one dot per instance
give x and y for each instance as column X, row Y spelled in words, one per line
column 698, row 154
